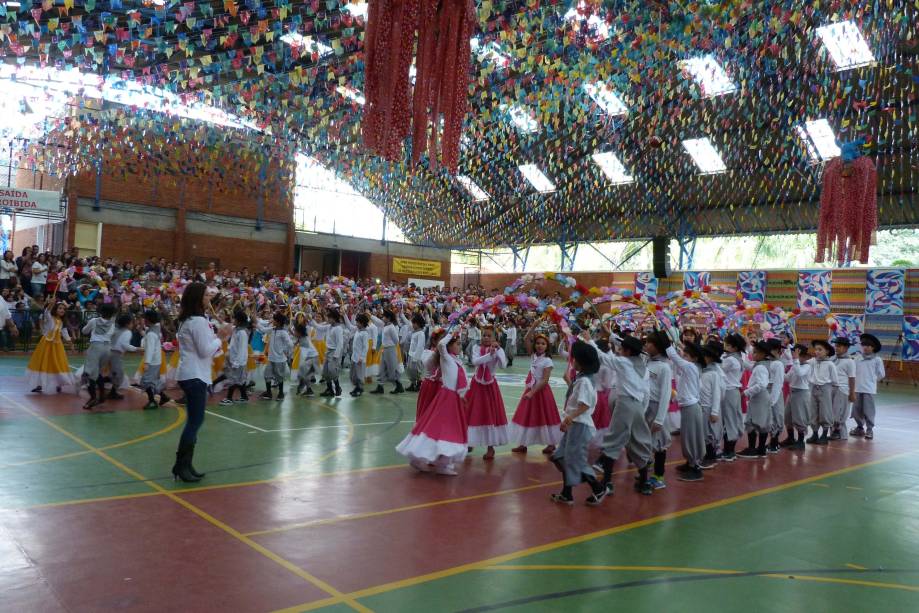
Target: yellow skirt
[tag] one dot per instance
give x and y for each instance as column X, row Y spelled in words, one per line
column 251, row 362
column 320, row 348
column 49, row 357
column 295, row 364
column 143, row 365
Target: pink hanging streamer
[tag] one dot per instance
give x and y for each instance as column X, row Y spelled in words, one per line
column 848, row 211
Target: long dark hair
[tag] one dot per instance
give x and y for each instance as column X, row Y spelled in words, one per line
column 192, row 301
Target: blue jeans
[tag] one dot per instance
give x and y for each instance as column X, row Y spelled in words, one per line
column 195, row 391
column 38, row 289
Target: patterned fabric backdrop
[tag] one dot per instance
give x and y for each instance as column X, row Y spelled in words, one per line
column 884, row 292
column 814, row 291
column 911, row 338
column 849, row 326
column 752, row 285
column 696, row 280
column 646, row 283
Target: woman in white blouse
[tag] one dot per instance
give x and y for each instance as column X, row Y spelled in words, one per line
column 8, row 269
column 39, row 275
column 197, row 347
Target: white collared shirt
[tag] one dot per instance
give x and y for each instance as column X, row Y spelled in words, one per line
column 688, row 376
column 197, row 347
column 868, row 371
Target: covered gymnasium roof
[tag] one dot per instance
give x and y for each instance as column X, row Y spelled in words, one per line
column 642, row 117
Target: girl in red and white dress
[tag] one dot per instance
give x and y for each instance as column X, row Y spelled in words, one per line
column 536, row 419
column 485, row 408
column 430, row 381
column 440, row 437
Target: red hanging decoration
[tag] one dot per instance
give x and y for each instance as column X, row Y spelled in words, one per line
column 848, row 211
column 439, row 101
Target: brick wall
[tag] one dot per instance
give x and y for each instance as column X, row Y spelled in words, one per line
column 135, row 244
column 24, row 238
column 236, row 254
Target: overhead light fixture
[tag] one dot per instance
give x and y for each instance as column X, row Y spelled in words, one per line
column 709, row 76
column 606, row 98
column 611, row 166
column 521, row 117
column 846, row 45
column 295, row 39
column 819, row 140
column 351, row 94
column 357, row 9
column 478, row 194
column 536, row 178
column 594, row 21
column 705, row 155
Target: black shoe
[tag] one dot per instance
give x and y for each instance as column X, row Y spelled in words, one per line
column 377, row 390
column 798, row 446
column 707, row 463
column 822, row 440
column 37, row 390
column 164, row 399
column 813, row 439
column 750, row 453
column 266, row 396
column 328, row 393
column 788, row 442
column 337, row 387
column 191, row 466
column 773, row 449
column 597, row 497
column 645, row 488
column 309, row 391
column 398, row 389
column 835, row 436
column 280, row 396
column 684, row 468
column 693, row 475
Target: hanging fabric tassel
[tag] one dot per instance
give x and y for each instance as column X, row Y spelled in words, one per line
column 848, row 211
column 432, row 112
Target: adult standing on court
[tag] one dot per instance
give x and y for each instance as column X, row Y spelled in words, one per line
column 197, row 347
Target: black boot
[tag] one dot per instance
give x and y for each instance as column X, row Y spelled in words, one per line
column 337, row 387
column 280, row 391
column 328, row 393
column 191, row 467
column 607, row 463
column 267, row 393
column 93, row 399
column 357, row 391
column 814, row 437
column 799, row 444
column 182, row 468
column 377, row 390
column 790, row 439
column 398, row 389
column 151, row 400
column 164, row 398
column 823, row 438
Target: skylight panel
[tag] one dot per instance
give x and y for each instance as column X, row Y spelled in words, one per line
column 351, row 94
column 357, row 9
column 606, row 98
column 819, row 140
column 490, row 52
column 521, row 117
column 478, row 194
column 709, row 76
column 846, row 45
column 704, row 155
column 295, row 39
column 611, row 166
column 536, row 178
column 594, row 21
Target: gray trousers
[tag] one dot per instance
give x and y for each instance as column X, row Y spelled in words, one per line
column 777, row 416
column 841, row 412
column 277, row 372
column 714, row 432
column 863, row 410
column 797, row 411
column 358, row 372
column 660, row 440
column 571, row 452
column 732, row 414
column 389, row 366
column 236, row 375
column 151, row 378
column 628, row 429
column 758, row 413
column 116, row 368
column 413, row 370
column 822, row 412
column 692, row 434
column 331, row 368
column 98, row 355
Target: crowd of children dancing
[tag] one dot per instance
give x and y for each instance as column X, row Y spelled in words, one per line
column 624, row 390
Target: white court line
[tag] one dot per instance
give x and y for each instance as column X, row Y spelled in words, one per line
column 241, row 423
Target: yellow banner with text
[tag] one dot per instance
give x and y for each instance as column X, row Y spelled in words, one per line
column 420, row 268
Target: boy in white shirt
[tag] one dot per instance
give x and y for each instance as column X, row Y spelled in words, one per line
column 797, row 409
column 121, row 344
column 823, row 380
column 415, row 352
column 868, row 371
column 844, row 393
column 151, row 344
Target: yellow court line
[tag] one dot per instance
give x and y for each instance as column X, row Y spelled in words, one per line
column 712, row 571
column 422, row 505
column 456, row 570
column 856, row 567
column 180, row 417
column 290, row 566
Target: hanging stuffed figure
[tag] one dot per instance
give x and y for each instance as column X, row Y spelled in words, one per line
column 848, row 207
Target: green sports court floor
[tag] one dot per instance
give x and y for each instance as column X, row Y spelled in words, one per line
column 306, row 506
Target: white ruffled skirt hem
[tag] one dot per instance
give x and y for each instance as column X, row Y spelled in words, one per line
column 421, row 447
column 49, row 382
column 541, row 435
column 488, row 436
